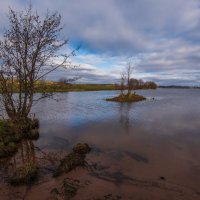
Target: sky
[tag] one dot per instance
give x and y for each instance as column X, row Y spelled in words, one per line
column 160, row 37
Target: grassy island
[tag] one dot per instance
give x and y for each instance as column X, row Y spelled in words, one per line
column 127, row 98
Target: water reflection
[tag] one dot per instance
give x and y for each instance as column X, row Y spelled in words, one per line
column 26, row 154
column 27, row 151
column 124, row 114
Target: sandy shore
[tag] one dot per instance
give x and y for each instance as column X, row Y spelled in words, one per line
column 139, row 167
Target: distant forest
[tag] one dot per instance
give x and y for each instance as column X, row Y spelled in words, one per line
column 136, row 84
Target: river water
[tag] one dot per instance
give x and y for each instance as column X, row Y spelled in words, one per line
column 144, row 150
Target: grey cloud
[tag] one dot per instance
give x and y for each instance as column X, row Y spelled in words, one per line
column 86, row 76
column 166, row 33
column 116, row 26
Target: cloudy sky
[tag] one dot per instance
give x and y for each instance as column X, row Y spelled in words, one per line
column 161, row 37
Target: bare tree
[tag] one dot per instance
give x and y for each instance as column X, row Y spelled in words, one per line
column 122, row 83
column 28, row 52
column 128, row 71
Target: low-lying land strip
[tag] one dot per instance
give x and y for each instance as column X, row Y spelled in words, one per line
column 50, row 86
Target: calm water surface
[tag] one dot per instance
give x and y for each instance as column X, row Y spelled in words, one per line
column 172, row 112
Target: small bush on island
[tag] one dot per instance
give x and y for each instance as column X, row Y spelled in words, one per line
column 127, row 98
column 129, row 84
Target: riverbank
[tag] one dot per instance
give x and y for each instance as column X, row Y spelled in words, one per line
column 51, row 87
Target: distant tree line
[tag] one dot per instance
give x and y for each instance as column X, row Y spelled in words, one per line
column 135, row 84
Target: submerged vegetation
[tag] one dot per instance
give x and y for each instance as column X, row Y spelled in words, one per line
column 11, row 134
column 30, row 168
column 74, row 159
column 8, row 139
column 25, row 174
column 67, row 190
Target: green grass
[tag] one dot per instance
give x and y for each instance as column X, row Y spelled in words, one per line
column 61, row 87
column 49, row 87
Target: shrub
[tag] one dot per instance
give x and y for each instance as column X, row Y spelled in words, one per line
column 25, row 174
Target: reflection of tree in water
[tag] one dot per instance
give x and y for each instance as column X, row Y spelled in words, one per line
column 124, row 120
column 25, row 154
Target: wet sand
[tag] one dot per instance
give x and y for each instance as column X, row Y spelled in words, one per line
column 135, row 166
